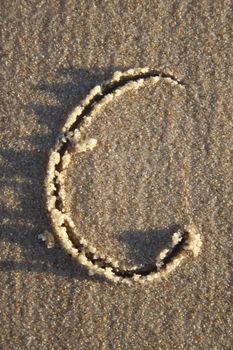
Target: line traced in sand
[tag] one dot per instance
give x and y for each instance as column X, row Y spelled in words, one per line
column 72, row 141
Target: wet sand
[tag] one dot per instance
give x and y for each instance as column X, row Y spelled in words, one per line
column 141, row 178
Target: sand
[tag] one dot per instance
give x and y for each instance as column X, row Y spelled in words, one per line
column 175, row 167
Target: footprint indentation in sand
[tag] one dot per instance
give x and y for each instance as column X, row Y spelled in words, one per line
column 104, row 202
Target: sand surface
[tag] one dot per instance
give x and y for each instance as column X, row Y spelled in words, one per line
column 163, row 156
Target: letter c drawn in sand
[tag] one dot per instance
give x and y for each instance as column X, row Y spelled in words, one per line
column 183, row 240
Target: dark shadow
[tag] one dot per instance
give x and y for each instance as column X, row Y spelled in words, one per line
column 70, row 88
column 24, row 173
column 144, row 246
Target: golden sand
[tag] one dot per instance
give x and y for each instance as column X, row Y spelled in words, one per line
column 122, row 200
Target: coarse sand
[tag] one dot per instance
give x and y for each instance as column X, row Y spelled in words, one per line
column 156, row 157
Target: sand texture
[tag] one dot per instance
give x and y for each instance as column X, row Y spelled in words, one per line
column 152, row 158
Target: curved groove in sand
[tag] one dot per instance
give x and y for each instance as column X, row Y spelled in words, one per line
column 72, row 141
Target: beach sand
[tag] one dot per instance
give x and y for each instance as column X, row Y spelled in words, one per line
column 163, row 157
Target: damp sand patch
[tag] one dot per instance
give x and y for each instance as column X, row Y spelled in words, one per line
column 120, row 170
